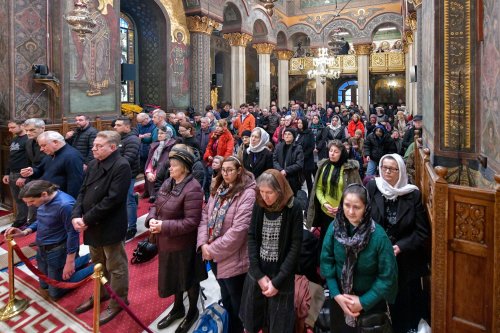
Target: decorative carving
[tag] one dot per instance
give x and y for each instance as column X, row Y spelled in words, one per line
column 363, row 49
column 202, row 24
column 347, row 64
column 411, row 21
column 469, row 222
column 53, row 84
column 409, row 36
column 416, row 3
column 458, row 72
column 284, row 54
column 238, row 39
column 387, row 62
column 264, row 48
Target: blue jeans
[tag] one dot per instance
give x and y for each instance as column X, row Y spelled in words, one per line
column 371, row 169
column 131, row 207
column 51, row 263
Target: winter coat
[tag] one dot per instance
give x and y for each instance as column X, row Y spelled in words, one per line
column 274, row 122
column 129, row 148
column 292, row 163
column 102, row 201
column 350, row 176
column 222, row 145
column 230, row 249
column 163, row 172
column 352, row 127
column 306, row 140
column 259, row 162
column 377, row 147
column 412, row 232
column 203, row 137
column 326, row 136
column 163, row 160
column 248, row 124
column 83, row 140
column 179, row 209
column 146, row 141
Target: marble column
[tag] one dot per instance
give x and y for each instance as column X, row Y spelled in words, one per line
column 320, row 90
column 264, row 51
column 418, row 55
column 414, row 85
column 363, row 55
column 284, row 57
column 200, row 28
column 409, row 64
column 238, row 42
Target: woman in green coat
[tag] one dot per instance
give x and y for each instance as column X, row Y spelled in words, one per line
column 358, row 263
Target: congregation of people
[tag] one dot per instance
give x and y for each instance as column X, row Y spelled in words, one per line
column 242, row 190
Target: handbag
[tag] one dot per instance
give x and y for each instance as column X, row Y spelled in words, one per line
column 374, row 323
column 145, row 251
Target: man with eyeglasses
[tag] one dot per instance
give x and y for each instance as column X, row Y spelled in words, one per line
column 100, row 212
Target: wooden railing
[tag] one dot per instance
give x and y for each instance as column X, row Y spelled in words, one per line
column 465, row 281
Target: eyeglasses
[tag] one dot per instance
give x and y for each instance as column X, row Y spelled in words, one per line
column 227, row 171
column 390, row 170
column 99, row 146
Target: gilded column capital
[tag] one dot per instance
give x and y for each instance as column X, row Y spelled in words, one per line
column 238, row 39
column 202, row 24
column 416, row 3
column 284, row 54
column 405, row 46
column 408, row 36
column 264, row 48
column 411, row 21
column 363, row 49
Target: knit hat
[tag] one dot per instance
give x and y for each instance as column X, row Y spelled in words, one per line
column 183, row 156
column 418, row 117
column 246, row 133
column 292, row 131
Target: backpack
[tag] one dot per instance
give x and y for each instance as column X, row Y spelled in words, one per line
column 213, row 320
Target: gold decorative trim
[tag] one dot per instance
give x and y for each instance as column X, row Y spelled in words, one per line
column 457, row 68
column 411, row 21
column 387, row 62
column 264, row 48
column 203, row 24
column 416, row 3
column 409, row 36
column 284, row 54
column 346, row 64
column 363, row 49
column 175, row 11
column 238, row 39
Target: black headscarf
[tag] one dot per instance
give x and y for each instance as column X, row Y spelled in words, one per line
column 334, row 181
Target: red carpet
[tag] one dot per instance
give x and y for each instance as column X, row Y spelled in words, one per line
column 143, row 296
column 4, row 212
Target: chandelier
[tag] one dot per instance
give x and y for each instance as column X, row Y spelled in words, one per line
column 322, row 67
column 79, row 19
column 269, row 5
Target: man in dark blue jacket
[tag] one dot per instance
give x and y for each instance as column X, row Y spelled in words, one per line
column 62, row 165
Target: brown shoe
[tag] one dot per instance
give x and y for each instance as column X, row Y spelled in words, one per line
column 44, row 293
column 88, row 304
column 108, row 314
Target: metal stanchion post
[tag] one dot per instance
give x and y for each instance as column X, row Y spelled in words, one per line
column 15, row 306
column 97, row 295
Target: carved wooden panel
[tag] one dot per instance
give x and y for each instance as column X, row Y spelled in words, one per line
column 469, row 222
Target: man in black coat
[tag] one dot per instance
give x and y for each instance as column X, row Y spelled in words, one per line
column 82, row 138
column 129, row 148
column 409, row 136
column 100, row 212
column 288, row 158
column 377, row 144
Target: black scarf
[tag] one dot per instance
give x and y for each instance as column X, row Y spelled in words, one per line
column 353, row 244
column 334, row 181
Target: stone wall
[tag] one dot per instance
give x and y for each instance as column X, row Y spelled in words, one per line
column 490, row 85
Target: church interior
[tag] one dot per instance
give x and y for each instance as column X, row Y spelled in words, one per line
column 438, row 58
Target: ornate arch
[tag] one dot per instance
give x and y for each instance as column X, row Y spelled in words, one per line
column 303, row 28
column 258, row 14
column 246, row 23
column 371, row 26
column 344, row 24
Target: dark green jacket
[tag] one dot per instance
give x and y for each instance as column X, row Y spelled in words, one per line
column 375, row 274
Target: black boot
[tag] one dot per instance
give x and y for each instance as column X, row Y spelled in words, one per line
column 193, row 313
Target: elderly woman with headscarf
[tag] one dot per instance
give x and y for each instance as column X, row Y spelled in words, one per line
column 400, row 123
column 274, row 241
column 397, row 207
column 175, row 217
column 157, row 157
column 359, row 266
column 333, row 131
column 257, row 158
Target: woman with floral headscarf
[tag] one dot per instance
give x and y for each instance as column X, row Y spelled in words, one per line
column 257, row 158
column 397, row 207
column 274, row 241
column 359, row 266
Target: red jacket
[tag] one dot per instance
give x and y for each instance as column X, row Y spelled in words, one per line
column 247, row 124
column 222, row 145
column 352, row 127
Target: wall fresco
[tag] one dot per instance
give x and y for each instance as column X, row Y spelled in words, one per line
column 4, row 60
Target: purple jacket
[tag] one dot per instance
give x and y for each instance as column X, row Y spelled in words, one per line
column 230, row 249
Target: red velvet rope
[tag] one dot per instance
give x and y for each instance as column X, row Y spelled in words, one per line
column 124, row 305
column 46, row 279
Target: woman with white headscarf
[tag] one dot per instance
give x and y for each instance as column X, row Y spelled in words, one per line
column 257, row 158
column 397, row 207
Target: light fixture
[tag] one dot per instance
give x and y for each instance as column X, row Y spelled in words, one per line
column 322, row 65
column 79, row 19
column 387, row 29
column 269, row 5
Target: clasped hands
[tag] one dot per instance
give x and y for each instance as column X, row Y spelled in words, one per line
column 154, row 226
column 267, row 287
column 350, row 304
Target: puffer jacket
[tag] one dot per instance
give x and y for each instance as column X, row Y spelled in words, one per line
column 377, row 147
column 230, row 249
column 179, row 209
column 129, row 148
column 292, row 163
column 222, row 145
column 83, row 140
